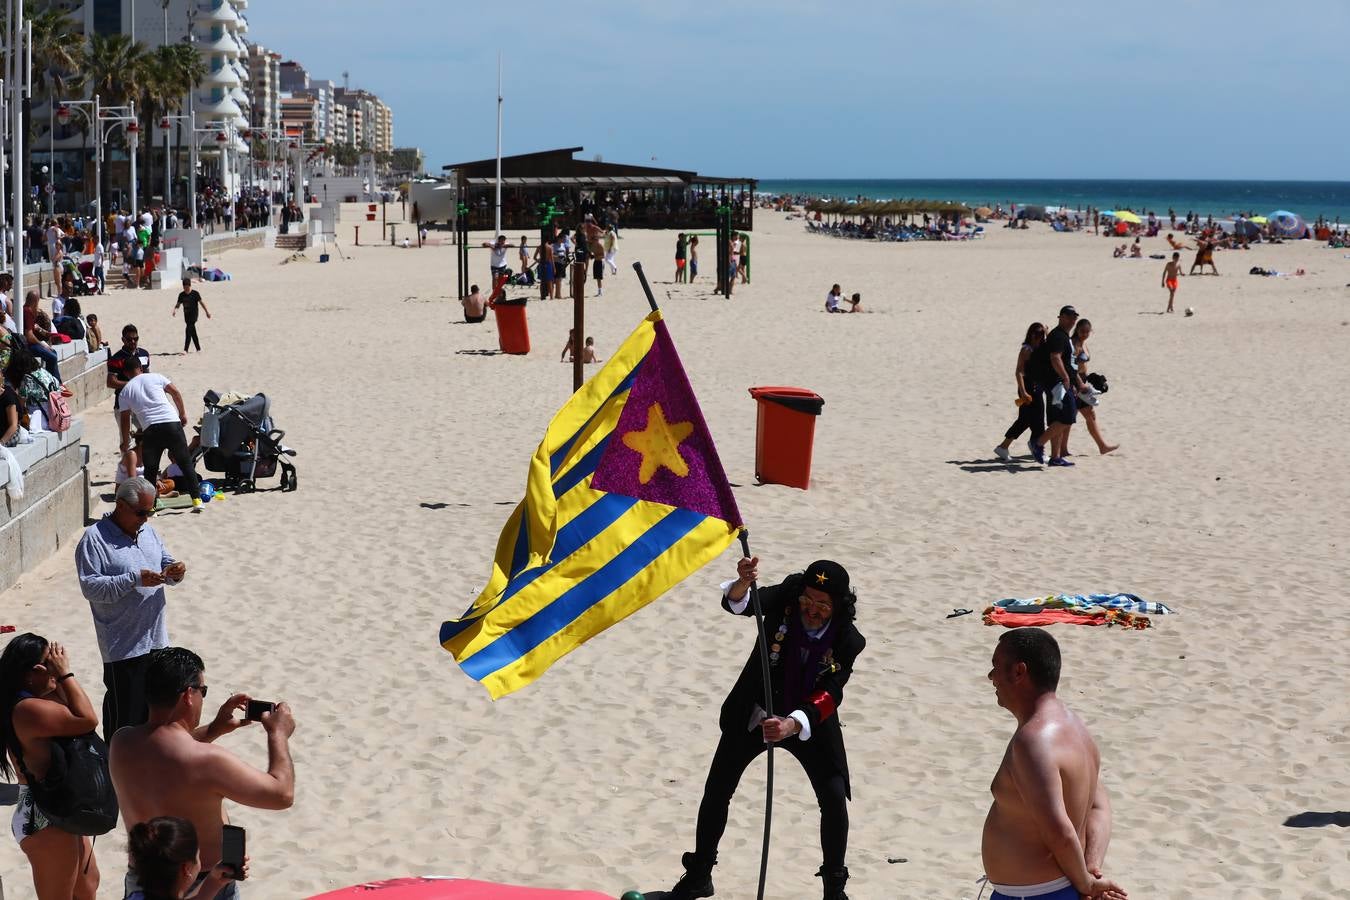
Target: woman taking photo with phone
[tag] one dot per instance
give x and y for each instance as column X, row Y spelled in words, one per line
column 163, row 855
column 40, row 700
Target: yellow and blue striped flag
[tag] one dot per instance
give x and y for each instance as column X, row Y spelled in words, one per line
column 625, row 498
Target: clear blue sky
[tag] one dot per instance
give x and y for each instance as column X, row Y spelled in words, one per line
column 854, row 88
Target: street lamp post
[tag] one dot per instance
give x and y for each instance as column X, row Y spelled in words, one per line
column 133, row 141
column 97, row 115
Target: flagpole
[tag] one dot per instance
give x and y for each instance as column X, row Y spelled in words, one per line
column 763, row 643
column 768, row 712
column 498, row 221
column 647, row 288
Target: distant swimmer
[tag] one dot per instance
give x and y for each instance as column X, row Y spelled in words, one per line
column 1050, row 822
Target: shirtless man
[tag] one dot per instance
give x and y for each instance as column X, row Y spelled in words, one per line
column 1171, row 272
column 1047, row 830
column 169, row 767
column 475, row 307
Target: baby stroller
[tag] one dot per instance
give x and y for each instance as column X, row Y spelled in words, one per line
column 238, row 440
column 86, row 285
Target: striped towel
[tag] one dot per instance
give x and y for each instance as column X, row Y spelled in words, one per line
column 1126, row 602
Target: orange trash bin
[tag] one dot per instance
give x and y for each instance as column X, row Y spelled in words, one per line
column 513, row 331
column 785, row 434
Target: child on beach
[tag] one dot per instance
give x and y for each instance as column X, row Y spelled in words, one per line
column 680, row 249
column 1171, row 272
column 855, row 303
column 588, row 352
column 693, row 257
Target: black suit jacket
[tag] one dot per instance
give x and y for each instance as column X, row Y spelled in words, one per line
column 778, row 602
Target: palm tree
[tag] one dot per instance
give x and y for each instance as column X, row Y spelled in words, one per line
column 159, row 91
column 56, row 68
column 186, row 71
column 111, row 67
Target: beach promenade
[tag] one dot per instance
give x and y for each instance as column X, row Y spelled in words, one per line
column 1226, row 501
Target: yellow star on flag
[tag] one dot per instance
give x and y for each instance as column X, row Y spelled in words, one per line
column 659, row 444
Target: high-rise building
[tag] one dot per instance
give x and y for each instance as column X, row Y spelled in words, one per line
column 377, row 120
column 264, row 68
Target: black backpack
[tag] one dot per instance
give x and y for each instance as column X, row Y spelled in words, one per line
column 77, row 795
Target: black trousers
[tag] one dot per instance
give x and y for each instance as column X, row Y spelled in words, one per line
column 124, row 695
column 190, row 335
column 168, row 436
column 1030, row 417
column 734, row 753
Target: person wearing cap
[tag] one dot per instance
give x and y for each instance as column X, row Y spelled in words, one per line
column 812, row 643
column 1052, row 368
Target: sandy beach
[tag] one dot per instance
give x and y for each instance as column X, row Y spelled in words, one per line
column 1226, row 501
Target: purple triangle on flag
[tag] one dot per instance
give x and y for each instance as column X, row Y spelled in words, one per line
column 661, row 449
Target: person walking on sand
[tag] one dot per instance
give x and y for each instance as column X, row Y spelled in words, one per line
column 693, row 257
column 611, row 250
column 1030, row 408
column 1052, row 369
column 189, row 299
column 1087, row 398
column 1171, row 272
column 1048, row 827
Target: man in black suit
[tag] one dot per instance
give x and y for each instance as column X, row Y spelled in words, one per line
column 808, row 620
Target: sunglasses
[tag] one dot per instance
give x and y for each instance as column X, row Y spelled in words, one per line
column 199, row 688
column 826, row 605
column 144, row 513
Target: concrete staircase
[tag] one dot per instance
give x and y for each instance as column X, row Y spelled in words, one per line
column 292, row 242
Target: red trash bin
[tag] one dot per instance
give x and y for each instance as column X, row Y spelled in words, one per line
column 785, row 434
column 513, row 331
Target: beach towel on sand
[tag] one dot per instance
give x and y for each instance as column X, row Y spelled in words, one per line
column 1125, row 602
column 1091, row 615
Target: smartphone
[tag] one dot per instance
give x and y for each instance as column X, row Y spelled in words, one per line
column 232, row 848
column 256, row 708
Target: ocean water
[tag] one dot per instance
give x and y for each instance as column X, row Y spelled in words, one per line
column 1219, row 198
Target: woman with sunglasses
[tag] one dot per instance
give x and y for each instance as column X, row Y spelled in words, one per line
column 40, row 699
column 1030, row 407
column 812, row 642
column 123, row 567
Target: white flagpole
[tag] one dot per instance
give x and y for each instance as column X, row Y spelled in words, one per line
column 498, row 220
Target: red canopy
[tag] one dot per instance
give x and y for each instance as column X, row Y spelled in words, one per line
column 433, row 888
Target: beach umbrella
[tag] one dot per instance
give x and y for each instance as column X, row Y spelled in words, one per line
column 1035, row 213
column 1109, row 212
column 1247, row 228
column 1287, row 224
column 441, row 888
column 1259, row 220
column 1125, row 215
column 983, row 211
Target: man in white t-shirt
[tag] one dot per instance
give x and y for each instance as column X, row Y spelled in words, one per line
column 157, row 407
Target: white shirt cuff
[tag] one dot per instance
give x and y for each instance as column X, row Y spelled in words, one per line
column 736, row 606
column 802, row 720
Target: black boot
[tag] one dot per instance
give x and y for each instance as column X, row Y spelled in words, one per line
column 835, row 880
column 697, row 880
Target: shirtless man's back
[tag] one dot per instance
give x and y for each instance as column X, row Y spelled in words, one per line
column 169, row 767
column 1048, row 828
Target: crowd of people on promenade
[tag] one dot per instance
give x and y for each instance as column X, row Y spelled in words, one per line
column 1054, row 385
